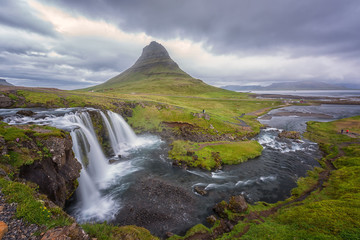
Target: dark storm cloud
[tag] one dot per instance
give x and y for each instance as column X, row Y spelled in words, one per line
column 238, row 26
column 16, row 14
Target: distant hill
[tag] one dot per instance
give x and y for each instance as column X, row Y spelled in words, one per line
column 3, row 82
column 155, row 72
column 301, row 85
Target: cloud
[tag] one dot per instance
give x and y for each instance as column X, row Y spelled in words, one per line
column 81, row 43
column 233, row 26
column 16, row 14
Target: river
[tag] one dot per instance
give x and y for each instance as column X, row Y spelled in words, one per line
column 143, row 188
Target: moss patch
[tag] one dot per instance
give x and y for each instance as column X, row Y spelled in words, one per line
column 106, row 231
column 211, row 155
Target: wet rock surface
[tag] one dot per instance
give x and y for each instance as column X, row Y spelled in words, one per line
column 28, row 113
column 56, row 175
column 290, row 134
column 172, row 214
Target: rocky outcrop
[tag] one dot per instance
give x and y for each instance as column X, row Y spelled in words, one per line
column 5, row 101
column 202, row 115
column 72, row 232
column 42, row 155
column 56, row 173
column 290, row 134
column 28, row 113
column 237, row 204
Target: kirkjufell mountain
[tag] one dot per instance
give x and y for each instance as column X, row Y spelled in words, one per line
column 155, row 72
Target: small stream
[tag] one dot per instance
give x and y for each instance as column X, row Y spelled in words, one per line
column 143, row 187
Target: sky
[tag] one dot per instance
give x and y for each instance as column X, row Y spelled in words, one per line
column 71, row 44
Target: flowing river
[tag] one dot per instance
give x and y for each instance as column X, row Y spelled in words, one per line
column 142, row 187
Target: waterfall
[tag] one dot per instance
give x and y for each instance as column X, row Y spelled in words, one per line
column 113, row 141
column 97, row 164
column 88, row 193
column 120, row 133
column 97, row 175
column 96, row 170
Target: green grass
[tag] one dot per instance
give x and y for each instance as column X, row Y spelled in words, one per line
column 106, row 231
column 41, row 98
column 30, row 207
column 210, row 155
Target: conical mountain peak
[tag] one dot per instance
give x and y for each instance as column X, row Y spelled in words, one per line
column 154, row 72
column 154, row 50
column 154, row 53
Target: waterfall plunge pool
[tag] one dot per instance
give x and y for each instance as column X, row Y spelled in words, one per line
column 143, row 188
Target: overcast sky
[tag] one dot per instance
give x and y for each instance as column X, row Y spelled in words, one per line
column 72, row 44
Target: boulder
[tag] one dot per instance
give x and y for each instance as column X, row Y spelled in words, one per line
column 72, row 232
column 211, row 219
column 28, row 113
column 289, row 134
column 3, row 229
column 220, row 209
column 200, row 190
column 238, row 204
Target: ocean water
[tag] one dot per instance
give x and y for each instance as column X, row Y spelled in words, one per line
column 315, row 93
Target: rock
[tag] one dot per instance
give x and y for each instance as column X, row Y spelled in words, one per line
column 73, row 232
column 3, row 147
column 238, row 204
column 174, row 213
column 56, row 175
column 289, row 134
column 2, row 173
column 190, row 153
column 3, row 229
column 211, row 219
column 169, row 234
column 202, row 115
column 5, row 101
column 28, row 113
column 220, row 209
column 200, row 190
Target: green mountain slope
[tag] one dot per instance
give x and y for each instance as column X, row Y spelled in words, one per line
column 156, row 73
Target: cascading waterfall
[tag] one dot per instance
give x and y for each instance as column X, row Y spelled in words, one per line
column 124, row 135
column 91, row 205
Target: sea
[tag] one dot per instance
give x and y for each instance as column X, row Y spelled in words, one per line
column 314, row 93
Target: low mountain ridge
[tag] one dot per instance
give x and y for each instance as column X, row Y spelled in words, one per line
column 301, row 85
column 3, row 82
column 155, row 72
